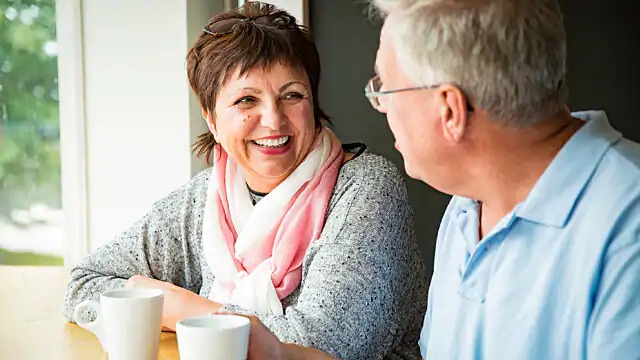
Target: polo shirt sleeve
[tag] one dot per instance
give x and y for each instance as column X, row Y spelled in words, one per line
column 614, row 326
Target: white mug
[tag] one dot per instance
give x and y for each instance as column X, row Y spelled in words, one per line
column 128, row 322
column 213, row 337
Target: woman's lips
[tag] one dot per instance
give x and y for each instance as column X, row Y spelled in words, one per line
column 273, row 150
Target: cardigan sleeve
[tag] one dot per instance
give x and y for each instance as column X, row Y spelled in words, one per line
column 158, row 246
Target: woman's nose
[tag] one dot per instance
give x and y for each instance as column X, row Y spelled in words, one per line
column 273, row 117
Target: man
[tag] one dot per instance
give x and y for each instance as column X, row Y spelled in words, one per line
column 538, row 253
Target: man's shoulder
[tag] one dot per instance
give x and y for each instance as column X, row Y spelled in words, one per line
column 616, row 182
column 624, row 157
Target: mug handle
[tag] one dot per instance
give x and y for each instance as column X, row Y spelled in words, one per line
column 94, row 326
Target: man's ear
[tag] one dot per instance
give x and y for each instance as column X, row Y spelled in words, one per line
column 453, row 113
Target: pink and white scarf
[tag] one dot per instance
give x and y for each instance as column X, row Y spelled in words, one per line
column 256, row 252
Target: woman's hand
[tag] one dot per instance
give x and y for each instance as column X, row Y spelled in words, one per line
column 264, row 345
column 179, row 303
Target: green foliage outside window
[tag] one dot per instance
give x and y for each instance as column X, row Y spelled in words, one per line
column 29, row 120
column 29, row 124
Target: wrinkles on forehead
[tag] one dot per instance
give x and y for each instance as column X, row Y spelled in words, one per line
column 242, row 70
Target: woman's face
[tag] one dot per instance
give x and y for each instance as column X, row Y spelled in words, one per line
column 264, row 120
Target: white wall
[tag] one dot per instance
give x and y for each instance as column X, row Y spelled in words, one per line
column 132, row 107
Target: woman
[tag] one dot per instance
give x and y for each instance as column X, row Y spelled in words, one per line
column 312, row 237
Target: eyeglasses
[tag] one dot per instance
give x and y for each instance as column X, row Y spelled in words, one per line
column 280, row 20
column 372, row 92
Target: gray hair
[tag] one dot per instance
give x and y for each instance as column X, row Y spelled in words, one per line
column 507, row 56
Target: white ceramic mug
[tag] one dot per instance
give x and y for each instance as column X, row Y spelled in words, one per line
column 128, row 322
column 213, row 337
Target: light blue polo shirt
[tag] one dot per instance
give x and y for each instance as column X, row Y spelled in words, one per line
column 559, row 276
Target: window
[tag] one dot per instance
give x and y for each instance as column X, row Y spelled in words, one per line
column 31, row 220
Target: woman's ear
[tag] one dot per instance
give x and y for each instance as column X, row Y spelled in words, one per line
column 210, row 123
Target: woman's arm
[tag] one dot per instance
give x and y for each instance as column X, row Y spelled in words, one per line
column 265, row 345
column 158, row 246
column 297, row 352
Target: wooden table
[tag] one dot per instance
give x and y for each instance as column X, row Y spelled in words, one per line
column 32, row 325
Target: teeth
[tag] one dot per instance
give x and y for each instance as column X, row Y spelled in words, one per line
column 272, row 142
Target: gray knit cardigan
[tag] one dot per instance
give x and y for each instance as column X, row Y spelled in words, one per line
column 363, row 290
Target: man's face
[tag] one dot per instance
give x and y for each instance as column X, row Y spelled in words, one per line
column 413, row 117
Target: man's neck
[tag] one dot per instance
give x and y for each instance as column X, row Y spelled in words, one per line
column 512, row 164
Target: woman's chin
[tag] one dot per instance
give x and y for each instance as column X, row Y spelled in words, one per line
column 271, row 175
column 274, row 175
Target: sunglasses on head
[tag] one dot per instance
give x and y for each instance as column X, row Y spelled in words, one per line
column 223, row 27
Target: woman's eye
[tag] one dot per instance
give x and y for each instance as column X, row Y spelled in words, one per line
column 293, row 97
column 245, row 101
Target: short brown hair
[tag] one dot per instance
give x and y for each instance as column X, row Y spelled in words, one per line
column 214, row 58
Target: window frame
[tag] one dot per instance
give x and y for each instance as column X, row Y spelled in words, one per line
column 73, row 146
